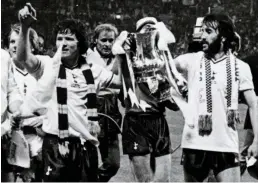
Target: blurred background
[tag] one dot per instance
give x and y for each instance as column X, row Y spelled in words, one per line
column 179, row 15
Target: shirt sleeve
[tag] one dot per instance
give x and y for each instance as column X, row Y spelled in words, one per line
column 102, row 76
column 181, row 62
column 245, row 77
column 42, row 61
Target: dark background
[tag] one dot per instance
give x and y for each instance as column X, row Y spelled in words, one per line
column 178, row 15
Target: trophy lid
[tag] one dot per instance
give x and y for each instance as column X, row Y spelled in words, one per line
column 146, row 20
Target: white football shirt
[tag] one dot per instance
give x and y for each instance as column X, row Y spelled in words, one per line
column 222, row 137
column 76, row 90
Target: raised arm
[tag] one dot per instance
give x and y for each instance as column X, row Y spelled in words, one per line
column 26, row 16
column 105, row 78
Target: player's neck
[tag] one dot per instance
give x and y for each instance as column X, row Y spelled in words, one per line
column 71, row 63
column 219, row 55
column 104, row 56
column 20, row 66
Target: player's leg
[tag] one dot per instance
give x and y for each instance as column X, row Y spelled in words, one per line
column 195, row 164
column 141, row 168
column 163, row 169
column 229, row 175
column 228, row 167
column 136, row 144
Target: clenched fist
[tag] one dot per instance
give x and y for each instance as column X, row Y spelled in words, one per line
column 27, row 15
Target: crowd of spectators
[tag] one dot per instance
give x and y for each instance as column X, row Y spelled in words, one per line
column 179, row 16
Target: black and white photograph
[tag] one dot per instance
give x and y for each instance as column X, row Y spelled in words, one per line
column 129, row 91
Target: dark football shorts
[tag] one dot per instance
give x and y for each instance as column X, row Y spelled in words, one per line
column 81, row 164
column 198, row 163
column 145, row 133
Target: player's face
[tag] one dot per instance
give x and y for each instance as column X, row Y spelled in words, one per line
column 147, row 28
column 13, row 41
column 211, row 42
column 105, row 42
column 13, row 44
column 70, row 48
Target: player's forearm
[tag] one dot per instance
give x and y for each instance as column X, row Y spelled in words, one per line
column 253, row 112
column 116, row 81
column 251, row 101
column 23, row 45
column 24, row 55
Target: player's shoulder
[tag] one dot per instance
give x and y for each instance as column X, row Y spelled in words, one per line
column 242, row 64
column 43, row 58
column 45, row 61
column 5, row 57
column 4, row 53
column 90, row 56
column 190, row 56
column 244, row 68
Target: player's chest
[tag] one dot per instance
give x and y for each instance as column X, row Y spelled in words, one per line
column 76, row 81
column 26, row 83
column 217, row 75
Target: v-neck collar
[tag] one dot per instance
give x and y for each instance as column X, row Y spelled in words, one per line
column 224, row 57
column 24, row 73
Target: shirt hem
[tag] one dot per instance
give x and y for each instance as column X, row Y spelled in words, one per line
column 216, row 149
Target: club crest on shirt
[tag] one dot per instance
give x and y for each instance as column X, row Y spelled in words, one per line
column 135, row 146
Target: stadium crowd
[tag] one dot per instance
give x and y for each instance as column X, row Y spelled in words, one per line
column 123, row 13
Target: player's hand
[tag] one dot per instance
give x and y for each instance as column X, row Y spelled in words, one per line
column 27, row 15
column 38, row 121
column 120, row 42
column 253, row 150
column 64, row 149
column 94, row 128
column 15, row 120
column 128, row 42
